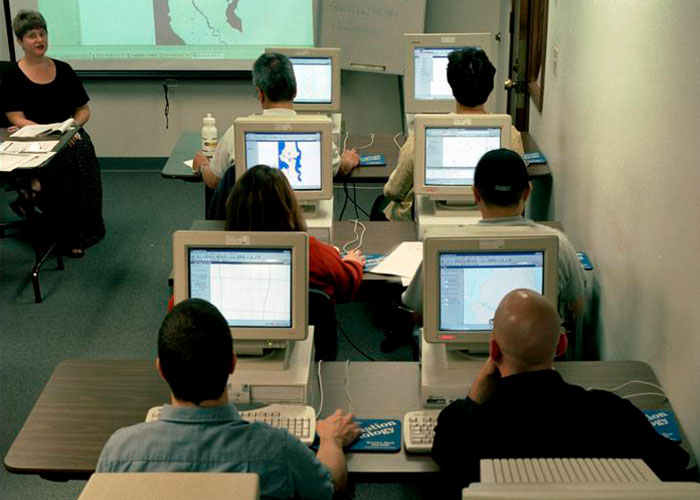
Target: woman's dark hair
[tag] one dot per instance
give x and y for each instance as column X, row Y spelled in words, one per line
column 27, row 20
column 262, row 200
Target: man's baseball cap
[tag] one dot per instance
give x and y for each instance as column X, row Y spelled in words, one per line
column 501, row 171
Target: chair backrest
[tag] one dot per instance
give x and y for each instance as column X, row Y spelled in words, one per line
column 171, row 486
column 4, row 122
column 217, row 205
column 322, row 317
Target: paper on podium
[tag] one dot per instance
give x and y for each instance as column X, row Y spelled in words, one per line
column 188, row 163
column 11, row 161
column 27, row 147
column 403, row 261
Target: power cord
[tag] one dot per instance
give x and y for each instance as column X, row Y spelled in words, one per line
column 661, row 394
column 347, row 385
column 342, row 330
column 358, row 237
column 167, row 105
column 320, row 388
column 396, row 142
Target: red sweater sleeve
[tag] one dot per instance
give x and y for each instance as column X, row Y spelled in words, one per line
column 328, row 272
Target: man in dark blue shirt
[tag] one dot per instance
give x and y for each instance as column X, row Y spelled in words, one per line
column 201, row 431
column 520, row 407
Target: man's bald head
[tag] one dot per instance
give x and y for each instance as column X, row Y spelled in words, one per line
column 527, row 330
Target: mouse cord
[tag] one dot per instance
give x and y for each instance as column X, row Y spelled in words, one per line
column 397, row 142
column 358, row 237
column 347, row 385
column 320, row 388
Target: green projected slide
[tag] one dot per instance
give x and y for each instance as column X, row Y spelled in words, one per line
column 171, row 34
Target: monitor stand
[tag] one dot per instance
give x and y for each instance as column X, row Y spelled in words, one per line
column 319, row 219
column 282, row 377
column 446, row 375
column 436, row 219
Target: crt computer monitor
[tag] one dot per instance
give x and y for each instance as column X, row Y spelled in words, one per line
column 300, row 147
column 317, row 72
column 465, row 279
column 426, row 89
column 448, row 148
column 258, row 280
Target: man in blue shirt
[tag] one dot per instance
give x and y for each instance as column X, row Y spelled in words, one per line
column 201, row 431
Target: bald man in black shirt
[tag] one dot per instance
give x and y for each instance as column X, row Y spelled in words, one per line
column 520, row 407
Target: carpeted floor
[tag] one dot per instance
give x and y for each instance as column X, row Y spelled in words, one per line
column 110, row 305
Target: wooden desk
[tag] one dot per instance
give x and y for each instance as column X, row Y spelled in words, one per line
column 85, row 401
column 185, row 149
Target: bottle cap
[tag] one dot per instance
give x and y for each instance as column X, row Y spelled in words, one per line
column 209, row 120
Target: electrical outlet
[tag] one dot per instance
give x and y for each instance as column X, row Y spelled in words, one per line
column 555, row 60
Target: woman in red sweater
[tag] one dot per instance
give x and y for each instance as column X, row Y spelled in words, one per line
column 262, row 200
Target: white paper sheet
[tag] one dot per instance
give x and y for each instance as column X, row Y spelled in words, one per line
column 403, row 261
column 27, row 147
column 188, row 163
column 11, row 161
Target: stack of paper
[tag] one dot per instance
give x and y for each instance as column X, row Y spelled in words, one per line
column 14, row 154
column 402, row 262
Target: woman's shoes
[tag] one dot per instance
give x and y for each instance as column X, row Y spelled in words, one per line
column 74, row 253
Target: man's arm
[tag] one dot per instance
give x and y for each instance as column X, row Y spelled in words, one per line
column 201, row 165
column 334, row 432
column 18, row 119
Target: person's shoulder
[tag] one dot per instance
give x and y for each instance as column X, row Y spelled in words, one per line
column 127, row 437
column 62, row 66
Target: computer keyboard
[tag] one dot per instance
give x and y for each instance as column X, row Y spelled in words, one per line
column 419, row 430
column 299, row 421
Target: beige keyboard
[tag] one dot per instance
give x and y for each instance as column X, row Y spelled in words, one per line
column 419, row 430
column 299, row 421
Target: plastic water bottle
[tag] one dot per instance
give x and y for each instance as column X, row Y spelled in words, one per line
column 209, row 135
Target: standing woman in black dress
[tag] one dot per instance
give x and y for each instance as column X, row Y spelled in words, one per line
column 40, row 90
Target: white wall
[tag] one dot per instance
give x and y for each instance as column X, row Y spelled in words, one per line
column 128, row 119
column 620, row 129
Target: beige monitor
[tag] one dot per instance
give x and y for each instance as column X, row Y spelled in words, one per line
column 465, row 279
column 300, row 147
column 426, row 89
column 317, row 72
column 448, row 148
column 171, row 486
column 258, row 280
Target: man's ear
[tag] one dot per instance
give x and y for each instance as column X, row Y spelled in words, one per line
column 234, row 361
column 260, row 95
column 562, row 344
column 527, row 192
column 495, row 352
column 160, row 369
column 477, row 195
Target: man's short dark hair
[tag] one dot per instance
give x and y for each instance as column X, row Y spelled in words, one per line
column 470, row 74
column 195, row 349
column 501, row 178
column 273, row 73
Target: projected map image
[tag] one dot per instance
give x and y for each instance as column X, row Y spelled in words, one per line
column 158, row 34
column 486, row 287
column 197, row 22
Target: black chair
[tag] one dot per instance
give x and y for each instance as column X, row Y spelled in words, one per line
column 216, row 206
column 322, row 317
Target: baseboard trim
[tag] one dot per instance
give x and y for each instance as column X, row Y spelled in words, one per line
column 132, row 163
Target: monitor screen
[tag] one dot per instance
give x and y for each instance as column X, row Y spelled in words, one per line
column 314, row 76
column 251, row 287
column 296, row 154
column 430, row 73
column 451, row 154
column 471, row 285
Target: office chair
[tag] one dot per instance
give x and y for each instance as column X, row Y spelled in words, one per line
column 216, row 206
column 322, row 317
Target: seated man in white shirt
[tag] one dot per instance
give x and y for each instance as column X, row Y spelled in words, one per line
column 501, row 188
column 275, row 87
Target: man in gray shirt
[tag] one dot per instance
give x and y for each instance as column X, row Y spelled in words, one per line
column 201, row 431
column 501, row 188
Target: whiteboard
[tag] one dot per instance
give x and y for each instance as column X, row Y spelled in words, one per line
column 370, row 32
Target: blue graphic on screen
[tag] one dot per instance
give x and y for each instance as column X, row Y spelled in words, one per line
column 296, row 154
column 289, row 155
